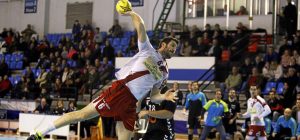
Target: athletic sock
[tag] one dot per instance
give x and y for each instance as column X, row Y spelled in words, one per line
column 191, row 137
column 50, row 128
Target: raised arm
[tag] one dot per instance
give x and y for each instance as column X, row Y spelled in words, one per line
column 139, row 25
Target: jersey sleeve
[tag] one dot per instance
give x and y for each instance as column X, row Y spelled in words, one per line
column 144, row 45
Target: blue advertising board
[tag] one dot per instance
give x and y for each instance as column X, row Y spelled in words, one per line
column 30, row 6
column 137, row 3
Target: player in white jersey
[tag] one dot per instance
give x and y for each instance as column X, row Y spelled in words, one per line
column 257, row 109
column 145, row 72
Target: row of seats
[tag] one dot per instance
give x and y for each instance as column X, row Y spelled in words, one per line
column 15, row 65
column 12, row 57
column 279, row 86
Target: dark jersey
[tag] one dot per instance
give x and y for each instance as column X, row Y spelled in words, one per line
column 164, row 125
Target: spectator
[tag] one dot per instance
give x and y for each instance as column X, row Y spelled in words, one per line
column 293, row 64
column 108, row 51
column 290, row 15
column 199, row 49
column 242, row 11
column 179, row 93
column 285, row 59
column 296, row 56
column 71, row 107
column 58, row 87
column 287, row 45
column 59, row 109
column 271, row 55
column 286, row 126
column 296, row 111
column 116, row 29
column 132, row 47
column 275, row 104
column 98, row 38
column 234, row 80
column 246, row 69
column 41, row 80
column 215, row 50
column 258, row 63
column 227, row 40
column 255, row 79
column 289, row 96
column 186, row 49
column 27, row 33
column 5, row 86
column 273, row 71
column 3, row 68
column 43, row 108
column 87, row 26
column 76, row 31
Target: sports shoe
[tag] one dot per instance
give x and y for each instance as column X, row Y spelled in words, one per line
column 36, row 136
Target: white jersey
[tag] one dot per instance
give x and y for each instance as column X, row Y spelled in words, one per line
column 257, row 107
column 141, row 86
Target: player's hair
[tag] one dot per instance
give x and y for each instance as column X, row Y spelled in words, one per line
column 167, row 40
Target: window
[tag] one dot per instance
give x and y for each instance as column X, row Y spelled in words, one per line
column 78, row 11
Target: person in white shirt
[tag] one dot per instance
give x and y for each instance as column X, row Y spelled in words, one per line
column 257, row 109
column 145, row 72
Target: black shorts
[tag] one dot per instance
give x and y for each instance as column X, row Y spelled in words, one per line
column 158, row 135
column 193, row 122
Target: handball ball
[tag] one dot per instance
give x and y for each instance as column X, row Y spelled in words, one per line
column 123, row 6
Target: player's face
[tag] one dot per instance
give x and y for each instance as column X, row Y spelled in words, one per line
column 170, row 49
column 195, row 86
column 218, row 95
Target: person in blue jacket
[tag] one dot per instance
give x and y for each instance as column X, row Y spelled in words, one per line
column 285, row 127
column 194, row 103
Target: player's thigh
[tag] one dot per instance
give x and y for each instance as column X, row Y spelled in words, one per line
column 89, row 111
column 122, row 132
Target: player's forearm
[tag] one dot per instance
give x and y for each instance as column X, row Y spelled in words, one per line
column 161, row 114
column 139, row 25
column 266, row 112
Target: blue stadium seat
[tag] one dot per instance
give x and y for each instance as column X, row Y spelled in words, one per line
column 127, row 34
column 19, row 57
column 116, row 42
column 110, row 40
column 19, row 65
column 12, row 65
column 150, row 34
column 11, row 79
column 268, row 87
column 125, row 41
column 17, row 79
column 74, row 64
column 280, row 87
column 7, row 57
column 1, row 56
column 104, row 34
column 69, row 62
column 13, row 57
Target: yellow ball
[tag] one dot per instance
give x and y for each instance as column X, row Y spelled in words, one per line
column 123, row 6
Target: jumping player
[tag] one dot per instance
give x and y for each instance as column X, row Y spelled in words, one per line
column 145, row 72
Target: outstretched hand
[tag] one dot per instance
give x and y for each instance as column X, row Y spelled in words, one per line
column 170, row 95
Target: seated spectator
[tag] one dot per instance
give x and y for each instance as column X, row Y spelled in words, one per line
column 199, row 49
column 289, row 97
column 71, row 107
column 258, row 63
column 275, row 104
column 271, row 55
column 57, row 87
column 227, row 40
column 242, row 11
column 132, row 47
column 293, row 64
column 59, row 109
column 116, row 29
column 29, row 74
column 41, row 80
column 286, row 126
column 98, row 38
column 108, row 51
column 255, row 78
column 287, row 45
column 186, row 49
column 215, row 50
column 5, row 86
column 273, row 71
column 285, row 59
column 3, row 68
column 234, row 80
column 27, row 33
column 296, row 56
column 296, row 111
column 246, row 68
column 43, row 108
column 223, row 12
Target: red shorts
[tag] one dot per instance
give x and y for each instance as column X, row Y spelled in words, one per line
column 256, row 131
column 117, row 101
